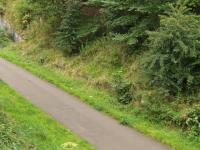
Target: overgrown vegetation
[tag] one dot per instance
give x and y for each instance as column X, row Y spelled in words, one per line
column 4, row 39
column 174, row 52
column 144, row 53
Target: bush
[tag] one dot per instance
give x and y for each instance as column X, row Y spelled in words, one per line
column 190, row 121
column 193, row 121
column 174, row 58
column 124, row 90
column 4, row 39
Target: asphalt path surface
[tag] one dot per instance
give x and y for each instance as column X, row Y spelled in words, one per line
column 98, row 129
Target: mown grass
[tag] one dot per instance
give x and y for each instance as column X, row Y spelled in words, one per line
column 25, row 127
column 103, row 101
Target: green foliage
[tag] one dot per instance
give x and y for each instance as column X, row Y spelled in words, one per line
column 75, row 28
column 67, row 37
column 174, row 58
column 170, row 113
column 192, row 121
column 155, row 105
column 124, row 90
column 2, row 7
column 22, row 14
column 1, row 10
column 4, row 38
column 129, row 19
column 195, row 5
column 46, row 9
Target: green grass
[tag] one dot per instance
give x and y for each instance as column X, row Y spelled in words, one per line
column 26, row 127
column 103, row 101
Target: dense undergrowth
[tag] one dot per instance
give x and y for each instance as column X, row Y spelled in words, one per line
column 5, row 39
column 145, row 54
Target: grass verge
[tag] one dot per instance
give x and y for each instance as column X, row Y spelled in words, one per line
column 102, row 101
column 24, row 127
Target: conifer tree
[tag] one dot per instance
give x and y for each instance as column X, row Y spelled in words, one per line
column 129, row 19
column 174, row 59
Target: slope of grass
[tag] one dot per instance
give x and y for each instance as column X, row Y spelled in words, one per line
column 24, row 127
column 102, row 101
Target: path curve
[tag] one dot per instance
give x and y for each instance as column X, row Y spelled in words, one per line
column 98, row 129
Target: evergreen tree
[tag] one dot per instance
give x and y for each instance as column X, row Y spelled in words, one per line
column 174, row 59
column 67, row 38
column 129, row 19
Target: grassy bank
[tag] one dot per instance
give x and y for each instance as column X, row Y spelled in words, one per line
column 23, row 126
column 102, row 101
column 110, row 60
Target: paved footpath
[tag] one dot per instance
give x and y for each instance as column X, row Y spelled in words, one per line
column 98, row 129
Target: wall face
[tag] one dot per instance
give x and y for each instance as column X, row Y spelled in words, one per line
column 6, row 26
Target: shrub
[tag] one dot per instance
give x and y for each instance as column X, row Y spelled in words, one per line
column 193, row 121
column 190, row 122
column 4, row 39
column 124, row 90
column 174, row 58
